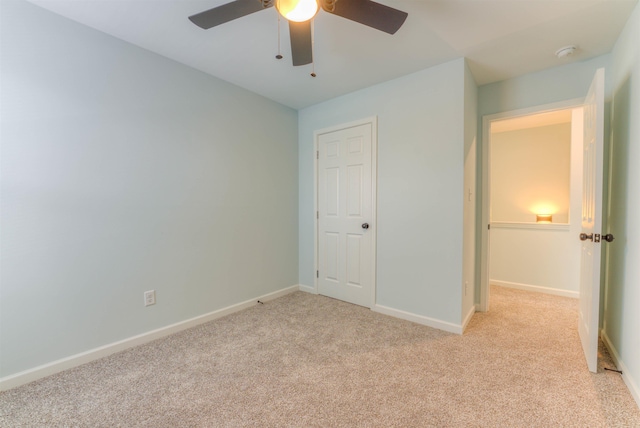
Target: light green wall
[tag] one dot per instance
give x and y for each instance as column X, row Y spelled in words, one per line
column 622, row 298
column 420, row 182
column 470, row 191
column 561, row 83
column 123, row 171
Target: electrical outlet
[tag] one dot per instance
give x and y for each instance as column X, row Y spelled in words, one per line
column 150, row 297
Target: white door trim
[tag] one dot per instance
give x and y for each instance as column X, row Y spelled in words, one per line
column 485, row 214
column 373, row 121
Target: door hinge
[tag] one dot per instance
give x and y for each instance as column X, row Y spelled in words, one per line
column 488, row 227
column 318, row 215
column 317, row 274
column 317, row 154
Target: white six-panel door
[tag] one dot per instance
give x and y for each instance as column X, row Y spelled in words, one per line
column 589, row 311
column 345, row 214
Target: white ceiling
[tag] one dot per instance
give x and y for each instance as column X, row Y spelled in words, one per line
column 500, row 38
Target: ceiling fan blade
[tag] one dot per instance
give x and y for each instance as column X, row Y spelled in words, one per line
column 369, row 13
column 301, row 46
column 227, row 12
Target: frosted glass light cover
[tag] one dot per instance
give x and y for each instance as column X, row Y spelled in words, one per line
column 297, row 10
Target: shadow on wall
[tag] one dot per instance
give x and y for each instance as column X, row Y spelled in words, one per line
column 619, row 175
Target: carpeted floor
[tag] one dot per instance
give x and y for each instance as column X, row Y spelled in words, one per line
column 310, row 361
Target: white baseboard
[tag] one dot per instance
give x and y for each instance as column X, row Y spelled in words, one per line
column 628, row 380
column 53, row 367
column 419, row 319
column 308, row 289
column 536, row 288
column 470, row 314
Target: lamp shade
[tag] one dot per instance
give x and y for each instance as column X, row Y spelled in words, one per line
column 297, row 10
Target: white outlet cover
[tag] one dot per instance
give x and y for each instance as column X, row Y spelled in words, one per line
column 149, row 297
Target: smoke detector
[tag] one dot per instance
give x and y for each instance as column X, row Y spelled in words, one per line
column 566, row 51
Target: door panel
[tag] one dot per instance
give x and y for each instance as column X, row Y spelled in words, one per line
column 589, row 307
column 345, row 248
column 332, row 189
column 354, row 257
column 332, row 253
column 354, row 191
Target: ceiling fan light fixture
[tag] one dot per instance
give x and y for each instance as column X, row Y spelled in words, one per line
column 297, row 10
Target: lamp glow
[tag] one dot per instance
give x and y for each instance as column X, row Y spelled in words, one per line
column 543, row 218
column 297, row 10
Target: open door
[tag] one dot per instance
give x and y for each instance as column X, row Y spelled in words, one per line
column 589, row 318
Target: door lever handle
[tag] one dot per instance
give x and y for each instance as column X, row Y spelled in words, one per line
column 608, row 237
column 584, row 237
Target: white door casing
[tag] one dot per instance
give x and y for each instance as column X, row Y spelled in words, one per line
column 589, row 307
column 346, row 212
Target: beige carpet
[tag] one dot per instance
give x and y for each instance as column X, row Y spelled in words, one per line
column 305, row 361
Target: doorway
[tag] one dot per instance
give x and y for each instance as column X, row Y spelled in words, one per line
column 592, row 235
column 532, row 178
column 345, row 212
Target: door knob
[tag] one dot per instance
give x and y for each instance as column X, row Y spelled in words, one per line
column 608, row 237
column 584, row 237
column 365, row 225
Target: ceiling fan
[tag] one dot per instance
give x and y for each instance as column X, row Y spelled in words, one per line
column 299, row 14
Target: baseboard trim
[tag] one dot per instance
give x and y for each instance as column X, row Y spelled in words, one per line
column 419, row 319
column 307, row 289
column 633, row 388
column 467, row 319
column 54, row 367
column 535, row 288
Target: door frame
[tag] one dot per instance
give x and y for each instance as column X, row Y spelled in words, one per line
column 483, row 305
column 373, row 121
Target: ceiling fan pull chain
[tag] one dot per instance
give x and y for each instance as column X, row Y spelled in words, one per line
column 279, row 56
column 313, row 40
